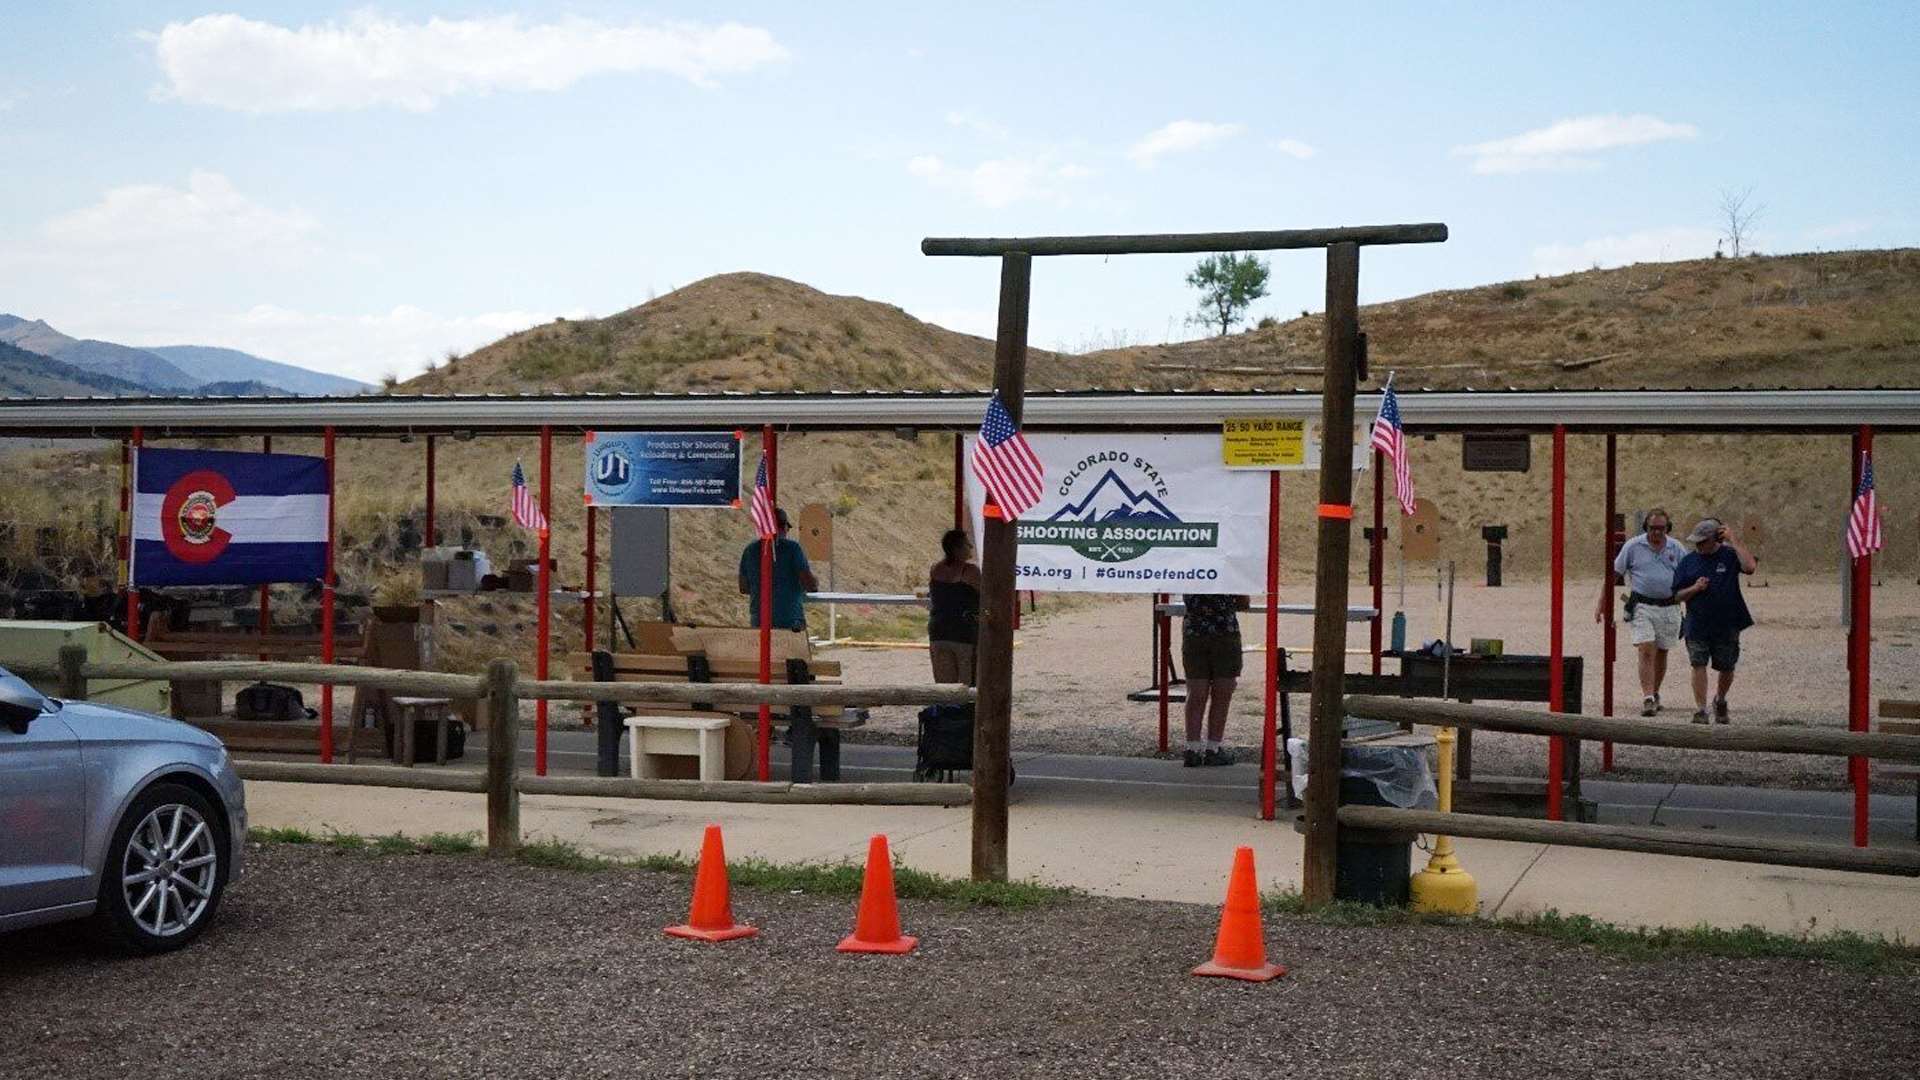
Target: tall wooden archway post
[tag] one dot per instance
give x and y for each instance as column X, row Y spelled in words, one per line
column 993, row 713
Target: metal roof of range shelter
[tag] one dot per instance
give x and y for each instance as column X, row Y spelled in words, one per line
column 1424, row 411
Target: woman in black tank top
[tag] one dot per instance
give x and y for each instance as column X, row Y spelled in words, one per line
column 953, row 616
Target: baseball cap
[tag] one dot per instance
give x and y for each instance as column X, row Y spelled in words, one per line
column 1706, row 530
column 780, row 516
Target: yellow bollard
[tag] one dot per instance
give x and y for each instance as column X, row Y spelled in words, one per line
column 1443, row 888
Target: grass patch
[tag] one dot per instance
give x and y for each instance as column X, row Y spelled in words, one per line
column 354, row 843
column 1845, row 948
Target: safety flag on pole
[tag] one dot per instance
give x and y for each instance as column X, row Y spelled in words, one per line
column 526, row 508
column 1863, row 526
column 1390, row 438
column 1006, row 466
column 761, row 506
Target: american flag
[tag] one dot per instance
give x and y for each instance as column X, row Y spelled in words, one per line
column 1391, row 439
column 1863, row 527
column 526, row 509
column 762, row 505
column 1006, row 466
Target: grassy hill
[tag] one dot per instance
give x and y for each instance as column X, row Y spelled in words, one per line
column 29, row 374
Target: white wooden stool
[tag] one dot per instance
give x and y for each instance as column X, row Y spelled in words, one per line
column 704, row 737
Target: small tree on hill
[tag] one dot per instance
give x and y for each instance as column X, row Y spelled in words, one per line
column 1228, row 284
column 1738, row 212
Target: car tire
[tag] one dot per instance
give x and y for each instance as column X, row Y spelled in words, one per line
column 164, row 872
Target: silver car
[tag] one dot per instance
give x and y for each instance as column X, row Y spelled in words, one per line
column 133, row 819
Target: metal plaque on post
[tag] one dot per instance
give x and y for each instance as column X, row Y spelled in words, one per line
column 1496, row 453
column 641, row 550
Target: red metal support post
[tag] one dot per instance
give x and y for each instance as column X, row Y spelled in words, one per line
column 543, row 603
column 763, row 733
column 265, row 621
column 1557, row 689
column 326, row 609
column 1860, row 650
column 132, row 452
column 1610, row 645
column 1269, row 729
column 433, row 533
column 1376, row 555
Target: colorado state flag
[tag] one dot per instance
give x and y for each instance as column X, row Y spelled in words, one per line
column 217, row 517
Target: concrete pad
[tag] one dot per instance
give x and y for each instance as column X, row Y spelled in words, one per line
column 1662, row 890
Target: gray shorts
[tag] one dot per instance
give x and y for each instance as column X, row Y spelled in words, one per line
column 1722, row 652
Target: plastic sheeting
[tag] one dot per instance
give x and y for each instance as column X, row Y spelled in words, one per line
column 1403, row 775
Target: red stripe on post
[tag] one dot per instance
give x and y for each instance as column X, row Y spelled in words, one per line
column 1343, row 512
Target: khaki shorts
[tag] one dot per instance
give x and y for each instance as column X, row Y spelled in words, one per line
column 1211, row 656
column 952, row 662
column 1660, row 625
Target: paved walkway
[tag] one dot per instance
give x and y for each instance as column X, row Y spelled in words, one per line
column 1145, row 828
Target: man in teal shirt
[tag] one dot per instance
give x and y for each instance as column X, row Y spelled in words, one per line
column 792, row 580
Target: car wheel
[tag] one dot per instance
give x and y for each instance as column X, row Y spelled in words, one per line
column 164, row 870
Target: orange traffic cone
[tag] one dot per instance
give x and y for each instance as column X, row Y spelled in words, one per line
column 877, row 927
column 712, row 916
column 1240, row 952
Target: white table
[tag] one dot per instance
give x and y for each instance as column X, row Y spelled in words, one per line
column 897, row 599
column 1355, row 613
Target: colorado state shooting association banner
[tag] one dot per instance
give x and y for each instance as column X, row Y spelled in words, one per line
column 217, row 517
column 1130, row 513
column 663, row 468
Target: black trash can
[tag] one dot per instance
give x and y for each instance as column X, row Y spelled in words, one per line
column 1373, row 866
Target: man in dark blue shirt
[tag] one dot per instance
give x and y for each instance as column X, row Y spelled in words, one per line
column 1708, row 580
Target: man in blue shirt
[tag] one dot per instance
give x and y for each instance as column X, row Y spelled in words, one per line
column 792, row 580
column 1716, row 612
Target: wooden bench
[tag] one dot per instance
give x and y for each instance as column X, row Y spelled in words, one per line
column 703, row 737
column 198, row 701
column 1902, row 718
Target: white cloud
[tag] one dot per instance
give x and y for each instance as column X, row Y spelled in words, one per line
column 209, row 216
column 1004, row 181
column 1564, row 144
column 242, row 64
column 972, row 121
column 1294, row 148
column 1648, row 245
column 1180, row 137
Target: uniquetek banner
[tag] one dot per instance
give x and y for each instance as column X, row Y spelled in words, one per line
column 1131, row 513
column 663, row 468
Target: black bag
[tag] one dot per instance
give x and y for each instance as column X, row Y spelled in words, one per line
column 266, row 701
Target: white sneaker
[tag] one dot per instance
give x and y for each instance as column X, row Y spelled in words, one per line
column 1650, row 706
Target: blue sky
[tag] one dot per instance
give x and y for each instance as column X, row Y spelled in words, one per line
column 359, row 189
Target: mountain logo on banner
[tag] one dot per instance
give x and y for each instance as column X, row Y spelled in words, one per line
column 1113, row 522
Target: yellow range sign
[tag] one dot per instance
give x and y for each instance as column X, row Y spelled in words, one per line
column 1263, row 444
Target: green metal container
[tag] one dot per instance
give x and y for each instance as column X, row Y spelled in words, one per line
column 24, row 642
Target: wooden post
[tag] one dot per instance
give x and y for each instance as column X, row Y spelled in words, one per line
column 503, row 745
column 326, row 610
column 993, row 717
column 1269, row 698
column 1376, row 555
column 1556, row 630
column 73, row 685
column 1331, row 567
column 1860, row 648
column 1610, row 645
column 133, row 479
column 543, row 603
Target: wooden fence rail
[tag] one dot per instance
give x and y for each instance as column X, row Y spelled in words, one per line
column 502, row 688
column 1654, row 841
column 1641, row 732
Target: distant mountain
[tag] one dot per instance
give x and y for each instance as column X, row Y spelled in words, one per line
column 237, row 388
column 102, row 357
column 29, row 374
column 210, row 364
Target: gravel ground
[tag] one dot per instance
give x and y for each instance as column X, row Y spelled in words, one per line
column 331, row 964
column 1075, row 665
